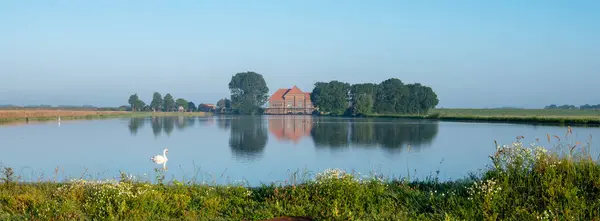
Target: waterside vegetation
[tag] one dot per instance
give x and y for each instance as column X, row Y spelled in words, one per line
column 26, row 115
column 524, row 182
column 529, row 116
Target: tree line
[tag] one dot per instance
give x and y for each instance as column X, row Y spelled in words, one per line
column 391, row 96
column 573, row 107
column 167, row 104
column 249, row 92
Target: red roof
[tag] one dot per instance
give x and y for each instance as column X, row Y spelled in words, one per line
column 278, row 95
column 295, row 90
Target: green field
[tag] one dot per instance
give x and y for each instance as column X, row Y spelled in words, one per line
column 542, row 116
column 524, row 183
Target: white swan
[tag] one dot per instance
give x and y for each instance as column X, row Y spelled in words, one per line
column 160, row 159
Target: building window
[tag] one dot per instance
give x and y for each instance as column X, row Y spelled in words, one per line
column 300, row 104
column 289, row 104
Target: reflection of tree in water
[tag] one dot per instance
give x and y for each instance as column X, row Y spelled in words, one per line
column 191, row 121
column 395, row 135
column 369, row 132
column 248, row 137
column 223, row 122
column 135, row 124
column 330, row 133
column 180, row 123
column 156, row 126
column 168, row 124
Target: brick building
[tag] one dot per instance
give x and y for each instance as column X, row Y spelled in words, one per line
column 290, row 101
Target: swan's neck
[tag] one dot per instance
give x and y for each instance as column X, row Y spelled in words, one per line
column 165, row 153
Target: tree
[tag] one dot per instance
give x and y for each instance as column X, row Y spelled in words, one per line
column 192, row 107
column 141, row 105
column 133, row 101
column 224, row 104
column 249, row 92
column 392, row 97
column 363, row 104
column 182, row 103
column 368, row 89
column 331, row 97
column 157, row 102
column 168, row 103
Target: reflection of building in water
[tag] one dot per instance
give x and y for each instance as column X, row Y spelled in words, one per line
column 290, row 127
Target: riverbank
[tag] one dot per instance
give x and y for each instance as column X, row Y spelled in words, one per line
column 528, row 116
column 16, row 116
column 523, row 183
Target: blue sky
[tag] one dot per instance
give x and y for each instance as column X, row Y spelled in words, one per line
column 472, row 53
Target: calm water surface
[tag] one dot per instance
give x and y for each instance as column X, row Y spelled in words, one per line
column 258, row 150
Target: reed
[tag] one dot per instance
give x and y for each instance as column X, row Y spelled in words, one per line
column 524, row 182
column 16, row 116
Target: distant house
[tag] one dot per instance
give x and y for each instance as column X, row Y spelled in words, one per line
column 181, row 109
column 290, row 101
column 207, row 107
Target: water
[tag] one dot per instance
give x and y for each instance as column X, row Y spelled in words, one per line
column 225, row 149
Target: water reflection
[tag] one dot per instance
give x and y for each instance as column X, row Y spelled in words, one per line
column 248, row 137
column 223, row 122
column 135, row 124
column 337, row 133
column 290, row 128
column 164, row 124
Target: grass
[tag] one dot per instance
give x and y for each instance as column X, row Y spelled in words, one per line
column 530, row 116
column 524, row 183
column 19, row 116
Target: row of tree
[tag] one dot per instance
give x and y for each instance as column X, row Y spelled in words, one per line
column 249, row 93
column 391, row 96
column 166, row 103
column 573, row 107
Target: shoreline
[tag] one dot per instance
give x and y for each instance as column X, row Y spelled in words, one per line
column 20, row 116
column 531, row 117
column 531, row 120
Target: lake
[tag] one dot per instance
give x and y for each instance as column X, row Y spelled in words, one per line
column 225, row 149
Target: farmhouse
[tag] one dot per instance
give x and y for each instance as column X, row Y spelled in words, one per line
column 290, row 101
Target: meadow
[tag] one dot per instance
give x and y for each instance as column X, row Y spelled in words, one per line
column 25, row 115
column 530, row 116
column 523, row 182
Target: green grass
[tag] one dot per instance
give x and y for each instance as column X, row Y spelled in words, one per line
column 524, row 183
column 530, row 116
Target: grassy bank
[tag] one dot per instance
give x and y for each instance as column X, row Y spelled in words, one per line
column 530, row 116
column 15, row 116
column 524, row 183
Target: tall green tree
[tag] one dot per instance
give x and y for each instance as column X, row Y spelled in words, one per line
column 134, row 102
column 362, row 105
column 192, row 107
column 332, row 97
column 249, row 92
column 367, row 89
column 182, row 103
column 157, row 102
column 168, row 103
column 392, row 97
column 141, row 105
